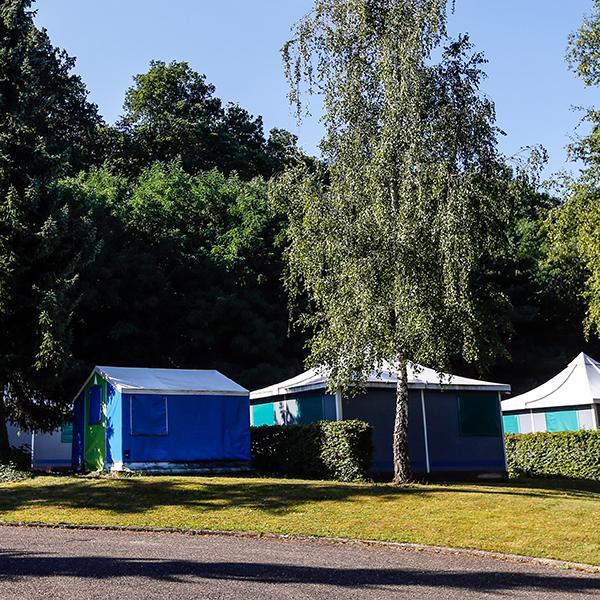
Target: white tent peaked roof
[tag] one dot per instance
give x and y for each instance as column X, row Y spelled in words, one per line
column 169, row 381
column 418, row 378
column 578, row 383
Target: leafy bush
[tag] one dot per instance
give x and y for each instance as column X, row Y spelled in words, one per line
column 10, row 472
column 338, row 450
column 570, row 454
column 21, row 457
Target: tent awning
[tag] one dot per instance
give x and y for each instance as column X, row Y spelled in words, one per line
column 170, row 381
column 419, row 377
column 577, row 384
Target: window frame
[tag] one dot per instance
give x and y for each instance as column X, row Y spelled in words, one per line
column 136, row 433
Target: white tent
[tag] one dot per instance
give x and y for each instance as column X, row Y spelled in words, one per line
column 419, row 377
column 575, row 391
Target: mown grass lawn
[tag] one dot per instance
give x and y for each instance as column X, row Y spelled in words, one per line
column 540, row 518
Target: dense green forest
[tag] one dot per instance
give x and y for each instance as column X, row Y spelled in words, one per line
column 155, row 241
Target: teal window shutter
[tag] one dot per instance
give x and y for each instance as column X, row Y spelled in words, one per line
column 263, row 414
column 562, row 420
column 66, row 433
column 511, row 423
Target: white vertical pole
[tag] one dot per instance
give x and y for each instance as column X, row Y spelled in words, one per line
column 502, row 431
column 532, row 420
column 595, row 416
column 32, row 449
column 338, row 406
column 425, row 431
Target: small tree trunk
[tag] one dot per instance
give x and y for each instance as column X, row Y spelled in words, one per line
column 4, row 445
column 402, row 471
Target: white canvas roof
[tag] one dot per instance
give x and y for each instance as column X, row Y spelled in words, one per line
column 578, row 383
column 170, row 381
column 418, row 378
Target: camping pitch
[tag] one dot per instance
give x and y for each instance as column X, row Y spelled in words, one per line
column 158, row 420
column 568, row 402
column 455, row 422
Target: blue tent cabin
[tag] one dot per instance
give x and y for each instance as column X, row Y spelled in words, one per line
column 455, row 425
column 157, row 420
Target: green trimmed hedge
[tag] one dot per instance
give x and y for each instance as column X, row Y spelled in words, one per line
column 339, row 450
column 569, row 454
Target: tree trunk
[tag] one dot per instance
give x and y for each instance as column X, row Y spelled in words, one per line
column 4, row 445
column 402, row 472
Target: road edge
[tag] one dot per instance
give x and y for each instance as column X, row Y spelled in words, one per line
column 413, row 547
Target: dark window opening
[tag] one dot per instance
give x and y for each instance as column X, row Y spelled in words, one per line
column 95, row 405
column 479, row 416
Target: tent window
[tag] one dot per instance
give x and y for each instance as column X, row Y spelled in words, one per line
column 263, row 414
column 95, row 405
column 66, row 433
column 562, row 420
column 479, row 416
column 511, row 423
column 148, row 414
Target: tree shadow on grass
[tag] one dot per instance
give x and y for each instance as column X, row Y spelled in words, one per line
column 15, row 566
column 277, row 497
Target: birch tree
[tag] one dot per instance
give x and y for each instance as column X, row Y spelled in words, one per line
column 390, row 242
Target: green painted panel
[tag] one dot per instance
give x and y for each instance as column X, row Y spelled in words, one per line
column 479, row 415
column 263, row 414
column 95, row 434
column 511, row 423
column 562, row 420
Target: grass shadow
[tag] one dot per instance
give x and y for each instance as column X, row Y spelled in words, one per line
column 136, row 495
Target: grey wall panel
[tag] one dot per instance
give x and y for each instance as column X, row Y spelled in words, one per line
column 539, row 421
column 585, row 416
column 286, row 412
column 525, row 423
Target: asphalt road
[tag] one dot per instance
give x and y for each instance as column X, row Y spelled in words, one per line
column 77, row 564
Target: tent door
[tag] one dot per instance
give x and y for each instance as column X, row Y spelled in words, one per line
column 95, row 425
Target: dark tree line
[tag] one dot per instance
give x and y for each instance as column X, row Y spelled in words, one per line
column 150, row 242
column 153, row 242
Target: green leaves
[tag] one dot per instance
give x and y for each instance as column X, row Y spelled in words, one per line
column 393, row 243
column 339, row 450
column 569, row 454
column 583, row 51
column 188, row 274
column 171, row 113
column 574, row 227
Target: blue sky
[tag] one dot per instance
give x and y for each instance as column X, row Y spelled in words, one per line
column 236, row 44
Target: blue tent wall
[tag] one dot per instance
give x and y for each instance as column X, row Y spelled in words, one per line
column 114, row 426
column 78, row 426
column 199, row 428
column 449, row 448
column 378, row 408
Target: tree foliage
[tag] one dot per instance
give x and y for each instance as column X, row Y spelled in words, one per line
column 48, row 126
column 171, row 113
column 574, row 227
column 392, row 245
column 188, row 275
column 583, row 52
column 47, row 129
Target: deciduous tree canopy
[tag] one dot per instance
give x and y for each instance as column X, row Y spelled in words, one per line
column 393, row 245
